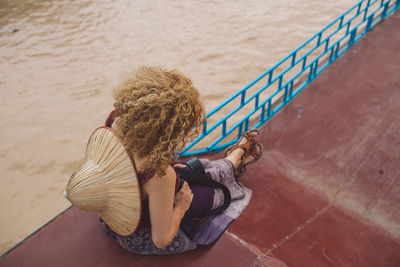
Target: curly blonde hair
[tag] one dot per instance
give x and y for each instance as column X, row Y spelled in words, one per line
column 158, row 113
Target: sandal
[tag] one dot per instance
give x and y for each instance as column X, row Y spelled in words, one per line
column 251, row 148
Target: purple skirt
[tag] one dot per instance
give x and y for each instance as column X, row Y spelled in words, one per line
column 191, row 235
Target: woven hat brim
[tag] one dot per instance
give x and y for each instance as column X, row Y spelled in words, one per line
column 116, row 176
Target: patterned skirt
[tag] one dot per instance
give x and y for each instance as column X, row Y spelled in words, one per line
column 189, row 237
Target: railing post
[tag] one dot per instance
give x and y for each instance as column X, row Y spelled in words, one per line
column 293, row 58
column 246, row 125
column 358, row 9
column 327, row 44
column 337, row 49
column 243, row 98
column 240, row 130
column 366, row 9
column 319, row 39
column 262, row 117
column 269, row 108
column 224, row 128
column 310, row 74
column 285, row 94
column 316, row 67
column 352, row 35
column 270, row 76
column 341, row 22
column 348, row 27
column 257, row 102
column 369, row 23
column 385, row 8
column 331, row 56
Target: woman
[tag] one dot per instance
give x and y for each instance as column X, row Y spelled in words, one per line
column 157, row 114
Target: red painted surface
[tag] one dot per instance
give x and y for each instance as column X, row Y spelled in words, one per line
column 338, row 239
column 328, row 185
column 78, row 239
column 326, row 190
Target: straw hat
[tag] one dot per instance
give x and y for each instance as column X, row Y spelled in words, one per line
column 107, row 183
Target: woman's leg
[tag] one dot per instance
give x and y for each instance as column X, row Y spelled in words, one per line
column 236, row 155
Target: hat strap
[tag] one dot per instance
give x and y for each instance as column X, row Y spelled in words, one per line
column 111, row 118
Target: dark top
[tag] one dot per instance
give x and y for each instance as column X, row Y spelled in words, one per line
column 201, row 204
column 144, row 177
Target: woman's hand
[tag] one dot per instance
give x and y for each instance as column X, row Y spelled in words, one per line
column 180, row 166
column 183, row 198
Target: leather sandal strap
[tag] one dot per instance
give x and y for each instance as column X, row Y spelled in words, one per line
column 248, row 148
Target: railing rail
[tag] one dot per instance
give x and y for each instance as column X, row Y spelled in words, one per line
column 326, row 46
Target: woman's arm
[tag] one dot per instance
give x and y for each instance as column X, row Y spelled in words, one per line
column 166, row 217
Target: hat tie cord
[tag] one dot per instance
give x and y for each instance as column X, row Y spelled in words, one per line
column 111, row 118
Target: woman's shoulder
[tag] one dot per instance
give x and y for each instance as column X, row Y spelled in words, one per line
column 168, row 176
column 150, row 179
column 161, row 182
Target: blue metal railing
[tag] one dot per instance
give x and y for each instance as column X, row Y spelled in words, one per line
column 303, row 65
